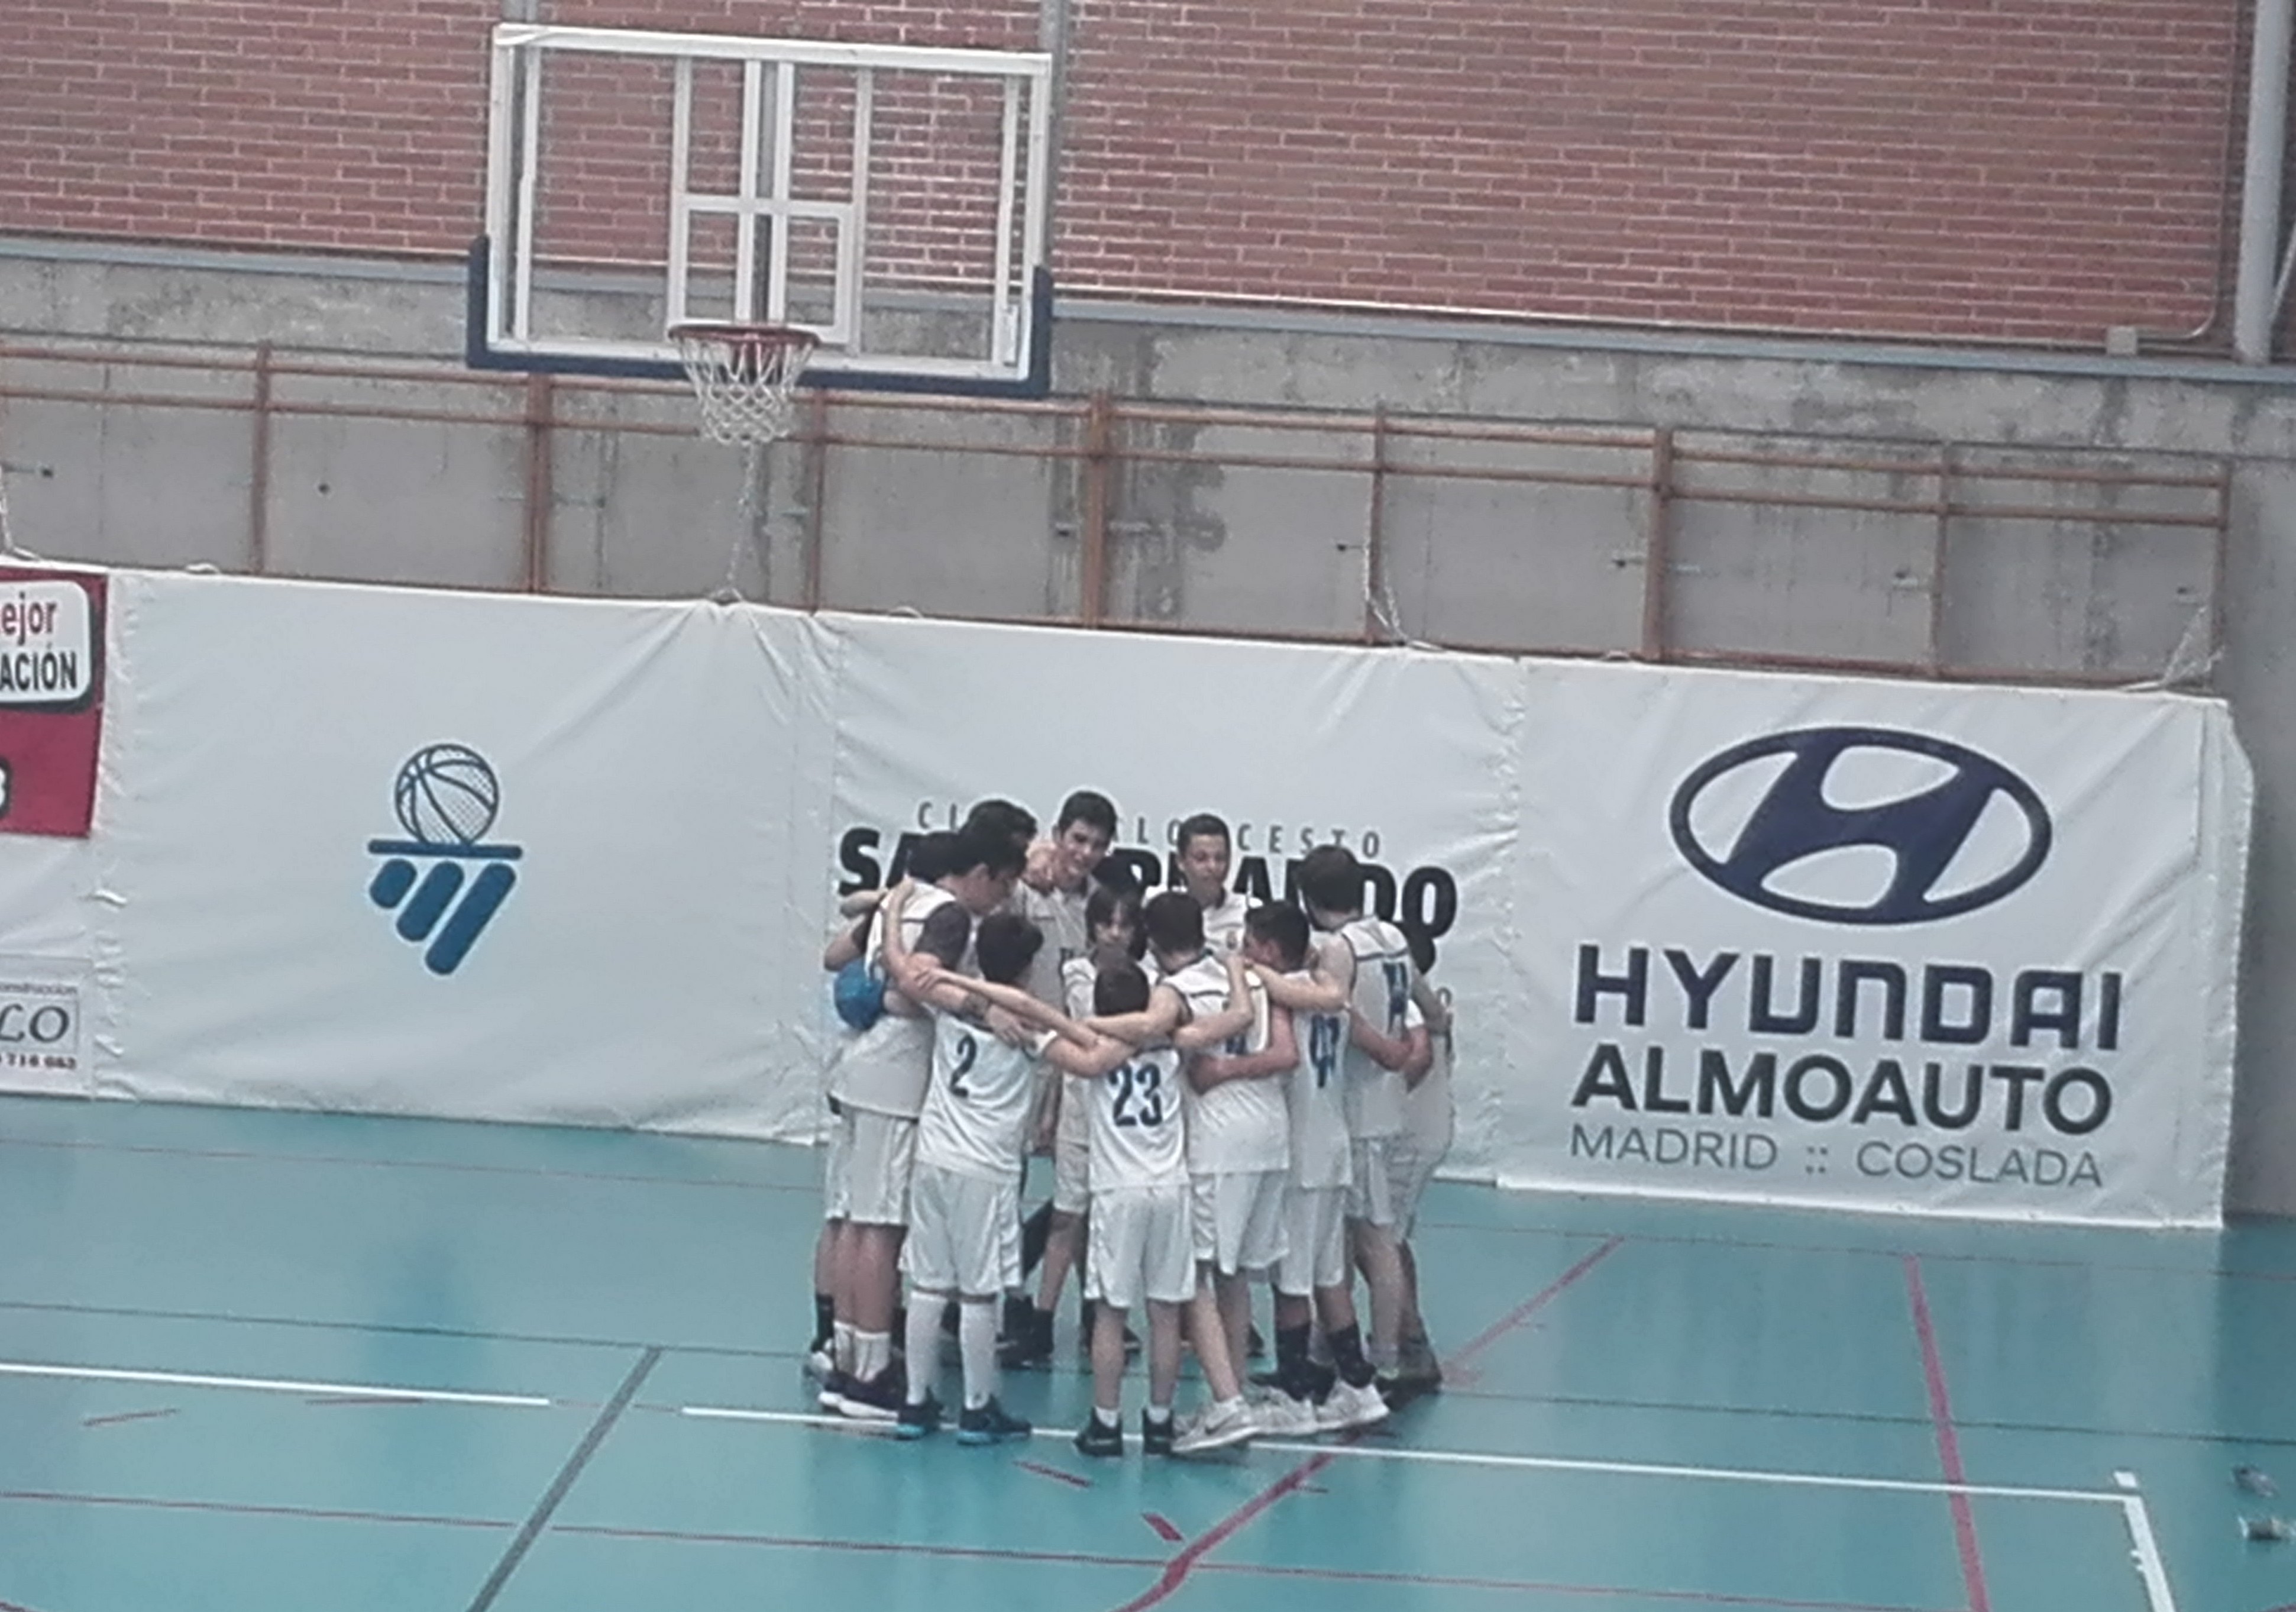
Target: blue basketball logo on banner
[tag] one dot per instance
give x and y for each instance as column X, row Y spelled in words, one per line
column 446, row 798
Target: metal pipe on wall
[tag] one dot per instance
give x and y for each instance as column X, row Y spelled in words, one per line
column 2252, row 295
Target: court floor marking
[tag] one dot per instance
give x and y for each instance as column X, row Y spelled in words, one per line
column 1948, row 1444
column 276, row 1384
column 1470, row 1458
column 2144, row 1549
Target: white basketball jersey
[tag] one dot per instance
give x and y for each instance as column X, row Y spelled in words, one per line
column 1427, row 1111
column 976, row 1109
column 1138, row 1133
column 1059, row 914
column 883, row 1070
column 1238, row 1125
column 1224, row 923
column 1383, row 995
column 1315, row 1094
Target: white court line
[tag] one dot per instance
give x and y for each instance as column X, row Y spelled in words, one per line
column 267, row 1385
column 1545, row 1463
column 2144, row 1550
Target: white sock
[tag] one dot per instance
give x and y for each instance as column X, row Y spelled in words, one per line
column 1160, row 1413
column 1107, row 1417
column 873, row 1351
column 840, row 1345
column 976, row 1343
column 924, row 1344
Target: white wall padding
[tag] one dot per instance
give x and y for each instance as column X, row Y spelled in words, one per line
column 1710, row 934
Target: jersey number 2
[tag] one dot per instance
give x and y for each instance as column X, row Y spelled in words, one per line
column 960, row 1065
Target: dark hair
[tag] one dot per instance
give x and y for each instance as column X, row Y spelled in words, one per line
column 1006, row 944
column 1015, row 823
column 929, row 857
column 1087, row 806
column 1119, row 984
column 1174, row 922
column 1283, row 926
column 1422, row 943
column 1203, row 823
column 1106, row 904
column 1331, row 878
column 1115, row 874
column 944, row 933
column 980, row 846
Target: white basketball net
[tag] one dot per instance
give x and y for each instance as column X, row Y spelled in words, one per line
column 744, row 376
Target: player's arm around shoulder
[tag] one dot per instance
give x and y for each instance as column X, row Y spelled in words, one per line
column 1198, row 1035
column 1166, row 1012
column 1279, row 1056
column 1090, row 1059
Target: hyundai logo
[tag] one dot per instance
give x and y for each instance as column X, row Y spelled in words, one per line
column 1951, row 830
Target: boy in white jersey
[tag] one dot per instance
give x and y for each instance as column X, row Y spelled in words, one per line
column 964, row 1223
column 1239, row 1155
column 1312, row 1280
column 1205, row 853
column 1376, row 968
column 1055, row 894
column 1429, row 1119
column 1112, row 921
column 880, row 1087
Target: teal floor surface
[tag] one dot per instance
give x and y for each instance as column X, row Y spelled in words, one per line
column 256, row 1363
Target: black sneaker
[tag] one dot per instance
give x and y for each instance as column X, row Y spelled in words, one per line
column 989, row 1424
column 1096, row 1437
column 1155, row 1436
column 918, row 1421
column 1030, row 1347
column 877, row 1399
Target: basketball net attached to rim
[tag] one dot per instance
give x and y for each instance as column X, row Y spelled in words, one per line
column 744, row 376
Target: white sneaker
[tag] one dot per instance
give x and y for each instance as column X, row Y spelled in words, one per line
column 820, row 1364
column 1283, row 1416
column 1215, row 1428
column 1346, row 1407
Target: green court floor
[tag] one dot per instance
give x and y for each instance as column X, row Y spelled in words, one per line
column 279, row 1363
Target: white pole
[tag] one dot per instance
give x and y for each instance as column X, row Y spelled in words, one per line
column 2260, row 197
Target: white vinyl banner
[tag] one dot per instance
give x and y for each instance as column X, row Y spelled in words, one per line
column 1798, row 940
column 1877, row 944
column 419, row 853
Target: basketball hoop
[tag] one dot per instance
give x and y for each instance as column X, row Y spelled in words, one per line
column 744, row 376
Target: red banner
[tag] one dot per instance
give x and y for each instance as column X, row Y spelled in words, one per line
column 51, row 699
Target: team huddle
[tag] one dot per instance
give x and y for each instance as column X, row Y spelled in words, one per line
column 1231, row 1094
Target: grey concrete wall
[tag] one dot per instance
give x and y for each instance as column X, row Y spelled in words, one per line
column 989, row 522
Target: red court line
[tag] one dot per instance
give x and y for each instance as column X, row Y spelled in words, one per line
column 1965, row 1520
column 1054, row 1472
column 1165, row 1528
column 116, row 1417
column 1175, row 1571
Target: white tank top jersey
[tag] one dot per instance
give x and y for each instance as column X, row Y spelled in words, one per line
column 1078, row 978
column 1427, row 1113
column 1224, row 923
column 914, row 910
column 1059, row 914
column 883, row 1070
column 1238, row 1125
column 1315, row 1095
column 1383, row 995
column 976, row 1109
column 1138, row 1131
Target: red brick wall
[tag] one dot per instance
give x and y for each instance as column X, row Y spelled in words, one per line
column 2018, row 169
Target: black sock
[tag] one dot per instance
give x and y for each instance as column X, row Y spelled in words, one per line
column 1291, row 1360
column 825, row 1318
column 1348, row 1355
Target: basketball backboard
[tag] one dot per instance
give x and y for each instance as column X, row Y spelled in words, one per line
column 892, row 200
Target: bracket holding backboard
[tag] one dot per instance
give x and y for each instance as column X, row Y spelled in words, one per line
column 892, row 200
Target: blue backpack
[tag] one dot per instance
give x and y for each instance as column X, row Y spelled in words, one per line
column 859, row 993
